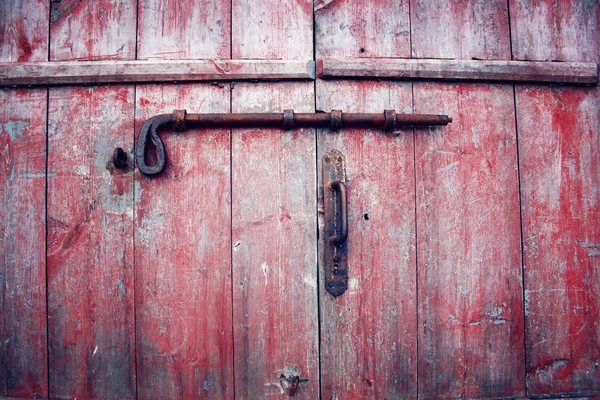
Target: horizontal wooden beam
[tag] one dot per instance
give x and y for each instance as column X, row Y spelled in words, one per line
column 85, row 72
column 511, row 71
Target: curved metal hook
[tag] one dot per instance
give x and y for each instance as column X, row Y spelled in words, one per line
column 149, row 132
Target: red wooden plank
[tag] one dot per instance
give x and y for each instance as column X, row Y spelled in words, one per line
column 92, row 30
column 80, row 72
column 24, row 30
column 461, row 29
column 23, row 362
column 274, row 252
column 190, row 29
column 90, row 245
column 457, row 69
column 183, row 254
column 363, row 28
column 369, row 334
column 272, row 29
column 468, row 244
column 566, row 30
column 560, row 175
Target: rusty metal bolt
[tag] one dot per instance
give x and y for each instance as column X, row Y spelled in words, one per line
column 288, row 119
column 179, row 119
column 336, row 119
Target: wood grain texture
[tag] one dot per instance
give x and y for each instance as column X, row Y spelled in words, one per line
column 363, row 28
column 460, row 29
column 191, row 29
column 85, row 72
column 468, row 244
column 369, row 334
column 90, row 244
column 272, row 29
column 566, row 30
column 275, row 244
column 24, row 30
column 23, row 355
column 183, row 254
column 92, row 29
column 559, row 137
column 477, row 70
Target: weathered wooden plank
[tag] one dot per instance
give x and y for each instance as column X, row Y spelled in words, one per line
column 512, row 71
column 462, row 29
column 468, row 244
column 183, row 254
column 363, row 28
column 272, row 29
column 92, row 30
column 274, row 253
column 90, row 244
column 369, row 334
column 566, row 30
column 82, row 72
column 191, row 29
column 23, row 355
column 559, row 154
column 24, row 30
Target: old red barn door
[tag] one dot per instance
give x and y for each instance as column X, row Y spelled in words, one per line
column 471, row 248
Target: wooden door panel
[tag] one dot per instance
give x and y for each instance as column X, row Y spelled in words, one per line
column 462, row 29
column 468, row 244
column 362, row 28
column 369, row 333
column 190, row 29
column 274, row 251
column 560, row 168
column 182, row 253
column 23, row 351
column 90, row 244
column 23, row 313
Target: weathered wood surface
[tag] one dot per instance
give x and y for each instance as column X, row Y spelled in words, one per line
column 555, row 30
column 559, row 138
column 275, row 244
column 82, row 72
column 183, row 254
column 190, row 29
column 23, row 355
column 477, row 70
column 363, row 28
column 463, row 29
column 468, row 244
column 24, row 30
column 369, row 334
column 92, row 30
column 23, row 350
column 272, row 29
column 90, row 245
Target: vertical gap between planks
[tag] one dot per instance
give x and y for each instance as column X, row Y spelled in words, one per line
column 510, row 42
column 412, row 88
column 316, row 188
column 521, row 241
column 410, row 45
column 137, row 31
column 46, row 242
column 231, row 244
column 135, row 348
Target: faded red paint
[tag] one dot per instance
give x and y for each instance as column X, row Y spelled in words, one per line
column 23, row 352
column 559, row 154
column 90, row 245
column 183, row 254
column 468, row 244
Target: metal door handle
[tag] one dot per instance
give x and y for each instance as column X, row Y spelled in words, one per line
column 340, row 187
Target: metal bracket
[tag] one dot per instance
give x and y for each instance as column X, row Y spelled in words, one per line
column 335, row 241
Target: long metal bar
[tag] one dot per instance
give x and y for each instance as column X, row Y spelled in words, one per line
column 180, row 120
